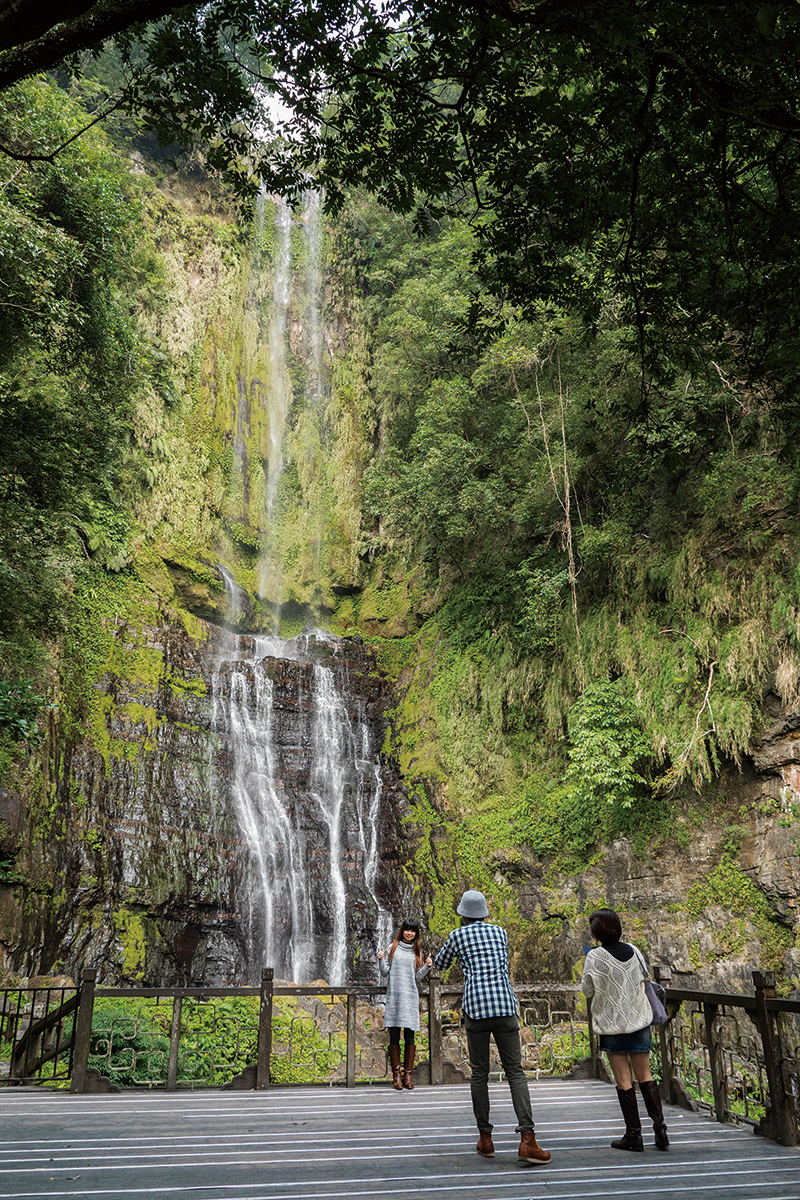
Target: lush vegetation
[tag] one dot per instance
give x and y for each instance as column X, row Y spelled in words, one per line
column 592, row 600
column 555, row 480
column 218, row 1039
column 70, row 362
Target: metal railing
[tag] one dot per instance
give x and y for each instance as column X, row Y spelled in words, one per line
column 736, row 1057
column 36, row 1030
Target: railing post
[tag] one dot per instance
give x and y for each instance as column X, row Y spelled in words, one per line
column 265, row 1029
column 435, row 1026
column 174, row 1039
column 83, row 1031
column 716, row 1062
column 663, row 975
column 779, row 1120
column 350, row 1065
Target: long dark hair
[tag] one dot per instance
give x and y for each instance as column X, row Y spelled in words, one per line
column 417, row 943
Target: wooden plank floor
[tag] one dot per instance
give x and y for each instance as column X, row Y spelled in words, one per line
column 320, row 1144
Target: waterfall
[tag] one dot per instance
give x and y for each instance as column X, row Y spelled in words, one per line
column 280, row 387
column 278, row 403
column 237, row 599
column 305, row 780
column 300, row 757
column 369, row 835
column 333, row 755
column 313, row 226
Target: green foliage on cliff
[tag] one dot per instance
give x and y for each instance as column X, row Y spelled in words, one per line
column 729, row 889
column 606, row 744
column 69, row 363
column 19, row 709
column 592, row 600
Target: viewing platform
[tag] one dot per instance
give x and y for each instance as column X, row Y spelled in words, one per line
column 315, row 1143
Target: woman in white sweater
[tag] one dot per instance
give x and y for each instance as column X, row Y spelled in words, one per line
column 405, row 968
column 614, row 977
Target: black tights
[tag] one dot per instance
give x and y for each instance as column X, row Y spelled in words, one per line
column 394, row 1036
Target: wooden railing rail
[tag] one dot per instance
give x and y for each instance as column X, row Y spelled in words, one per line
column 781, row 1120
column 36, row 1029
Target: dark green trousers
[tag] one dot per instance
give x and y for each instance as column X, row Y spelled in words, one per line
column 505, row 1031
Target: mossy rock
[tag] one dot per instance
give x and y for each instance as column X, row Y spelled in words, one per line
column 197, row 589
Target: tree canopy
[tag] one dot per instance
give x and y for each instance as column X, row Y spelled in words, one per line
column 637, row 149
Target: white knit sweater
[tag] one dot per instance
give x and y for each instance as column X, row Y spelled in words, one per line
column 402, row 997
column 619, row 1001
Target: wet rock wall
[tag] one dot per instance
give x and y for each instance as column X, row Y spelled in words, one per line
column 129, row 849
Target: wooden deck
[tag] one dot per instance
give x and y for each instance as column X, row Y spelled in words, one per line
column 320, row 1143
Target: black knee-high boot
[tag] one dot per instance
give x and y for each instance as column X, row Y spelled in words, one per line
column 652, row 1102
column 632, row 1137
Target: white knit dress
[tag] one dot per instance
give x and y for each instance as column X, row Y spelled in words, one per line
column 619, row 1001
column 402, row 997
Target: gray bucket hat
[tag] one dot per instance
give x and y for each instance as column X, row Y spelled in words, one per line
column 473, row 905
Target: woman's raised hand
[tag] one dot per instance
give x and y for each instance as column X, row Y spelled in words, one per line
column 381, row 952
column 429, row 961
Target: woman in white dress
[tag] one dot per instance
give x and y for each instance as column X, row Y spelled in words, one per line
column 405, row 968
column 614, row 977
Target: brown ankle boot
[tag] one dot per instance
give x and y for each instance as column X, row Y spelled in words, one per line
column 485, row 1145
column 394, row 1059
column 408, row 1067
column 531, row 1151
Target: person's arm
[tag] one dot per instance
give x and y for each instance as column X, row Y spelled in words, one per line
column 384, row 966
column 587, row 982
column 424, row 969
column 446, row 955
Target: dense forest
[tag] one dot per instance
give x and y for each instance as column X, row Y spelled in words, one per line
column 553, row 481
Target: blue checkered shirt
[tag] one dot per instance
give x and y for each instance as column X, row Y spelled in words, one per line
column 482, row 952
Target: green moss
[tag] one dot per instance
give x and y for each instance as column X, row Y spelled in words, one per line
column 107, row 640
column 131, row 936
column 180, row 685
column 141, row 714
column 728, row 887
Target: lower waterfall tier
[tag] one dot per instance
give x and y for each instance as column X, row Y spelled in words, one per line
column 229, row 811
column 300, row 732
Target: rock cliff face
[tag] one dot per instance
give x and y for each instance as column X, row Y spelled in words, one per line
column 713, row 903
column 212, row 799
column 301, row 723
column 150, row 871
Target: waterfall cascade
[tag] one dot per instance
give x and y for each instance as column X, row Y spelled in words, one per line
column 304, row 774
column 280, row 389
column 313, row 226
column 301, row 746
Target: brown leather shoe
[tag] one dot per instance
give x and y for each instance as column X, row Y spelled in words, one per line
column 485, row 1145
column 394, row 1059
column 530, row 1150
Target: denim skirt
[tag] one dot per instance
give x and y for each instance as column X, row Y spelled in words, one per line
column 627, row 1043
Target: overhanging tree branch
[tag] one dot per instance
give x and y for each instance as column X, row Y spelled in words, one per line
column 22, row 21
column 86, row 32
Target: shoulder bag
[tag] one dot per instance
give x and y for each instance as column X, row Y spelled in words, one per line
column 655, row 994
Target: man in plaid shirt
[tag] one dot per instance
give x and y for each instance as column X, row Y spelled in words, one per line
column 490, row 1009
